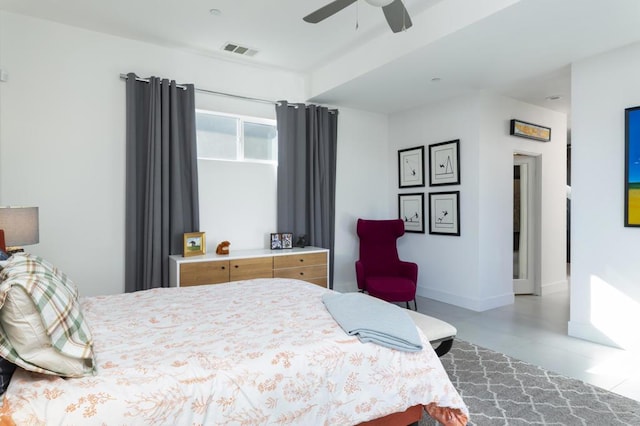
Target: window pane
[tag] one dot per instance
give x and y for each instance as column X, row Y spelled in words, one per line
column 216, row 136
column 259, row 142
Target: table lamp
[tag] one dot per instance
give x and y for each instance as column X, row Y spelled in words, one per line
column 18, row 227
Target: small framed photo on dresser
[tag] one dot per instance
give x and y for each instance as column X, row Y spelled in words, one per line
column 194, row 244
column 287, row 240
column 276, row 241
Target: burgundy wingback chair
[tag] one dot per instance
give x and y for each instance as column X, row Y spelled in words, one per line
column 379, row 271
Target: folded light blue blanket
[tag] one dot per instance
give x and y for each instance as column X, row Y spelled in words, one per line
column 373, row 320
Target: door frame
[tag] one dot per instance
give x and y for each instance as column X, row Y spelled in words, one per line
column 534, row 201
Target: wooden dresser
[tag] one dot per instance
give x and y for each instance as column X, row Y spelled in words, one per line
column 307, row 264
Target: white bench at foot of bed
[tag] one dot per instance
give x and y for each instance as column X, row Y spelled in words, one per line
column 439, row 333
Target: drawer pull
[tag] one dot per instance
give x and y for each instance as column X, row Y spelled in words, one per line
column 301, row 273
column 222, row 268
column 236, row 266
column 301, row 260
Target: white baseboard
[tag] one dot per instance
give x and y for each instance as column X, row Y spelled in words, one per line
column 477, row 305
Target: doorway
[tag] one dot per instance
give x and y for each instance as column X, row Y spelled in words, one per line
column 526, row 238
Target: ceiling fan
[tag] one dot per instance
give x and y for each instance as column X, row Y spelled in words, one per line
column 394, row 11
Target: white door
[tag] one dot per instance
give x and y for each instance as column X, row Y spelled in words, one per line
column 524, row 224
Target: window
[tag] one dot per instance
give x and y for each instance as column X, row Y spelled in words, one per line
column 236, row 138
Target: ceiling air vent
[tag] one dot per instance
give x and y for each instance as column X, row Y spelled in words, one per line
column 240, row 50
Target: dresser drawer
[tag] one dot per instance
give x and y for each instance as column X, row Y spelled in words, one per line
column 303, row 273
column 199, row 273
column 246, row 269
column 297, row 260
column 322, row 281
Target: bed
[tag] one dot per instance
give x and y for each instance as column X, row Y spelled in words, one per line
column 254, row 352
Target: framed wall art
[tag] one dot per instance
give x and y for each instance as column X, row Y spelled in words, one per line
column 529, row 130
column 194, row 244
column 444, row 213
column 632, row 167
column 411, row 167
column 411, row 211
column 444, row 163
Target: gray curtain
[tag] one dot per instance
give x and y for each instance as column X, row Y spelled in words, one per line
column 307, row 144
column 161, row 180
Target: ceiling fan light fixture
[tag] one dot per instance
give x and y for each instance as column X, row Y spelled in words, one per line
column 379, row 3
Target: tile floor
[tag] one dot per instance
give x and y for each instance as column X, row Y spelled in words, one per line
column 534, row 329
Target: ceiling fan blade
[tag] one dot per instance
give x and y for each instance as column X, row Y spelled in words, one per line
column 328, row 10
column 397, row 16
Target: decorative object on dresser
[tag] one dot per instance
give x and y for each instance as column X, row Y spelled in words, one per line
column 308, row 264
column 223, row 247
column 287, row 240
column 276, row 241
column 301, row 241
column 18, row 227
column 411, row 167
column 194, row 244
column 444, row 163
column 281, row 240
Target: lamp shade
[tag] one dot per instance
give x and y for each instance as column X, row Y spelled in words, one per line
column 20, row 225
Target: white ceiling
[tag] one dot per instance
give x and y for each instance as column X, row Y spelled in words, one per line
column 519, row 48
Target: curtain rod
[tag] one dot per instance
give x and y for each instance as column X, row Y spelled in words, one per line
column 212, row 92
column 229, row 95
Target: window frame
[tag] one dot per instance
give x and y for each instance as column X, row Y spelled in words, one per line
column 240, row 138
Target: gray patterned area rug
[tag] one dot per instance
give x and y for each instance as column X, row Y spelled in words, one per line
column 500, row 390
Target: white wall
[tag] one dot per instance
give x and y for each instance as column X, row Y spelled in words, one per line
column 439, row 257
column 62, row 148
column 62, row 139
column 363, row 181
column 237, row 199
column 496, row 162
column 605, row 271
column 474, row 270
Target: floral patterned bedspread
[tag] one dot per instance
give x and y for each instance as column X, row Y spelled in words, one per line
column 252, row 352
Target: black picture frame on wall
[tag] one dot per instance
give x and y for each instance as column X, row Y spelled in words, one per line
column 444, row 213
column 444, row 163
column 411, row 212
column 411, row 167
column 533, row 131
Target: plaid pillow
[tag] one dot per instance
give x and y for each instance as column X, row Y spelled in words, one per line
column 25, row 263
column 50, row 295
